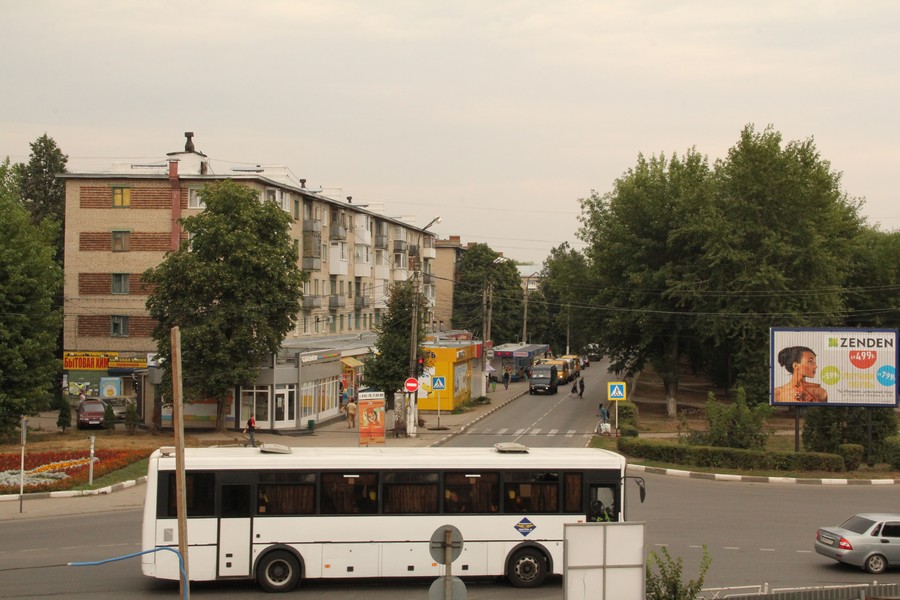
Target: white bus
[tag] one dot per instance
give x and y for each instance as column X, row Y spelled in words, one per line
column 311, row 513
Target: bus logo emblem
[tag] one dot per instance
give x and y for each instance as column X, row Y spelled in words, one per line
column 525, row 527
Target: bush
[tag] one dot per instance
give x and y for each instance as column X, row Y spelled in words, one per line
column 729, row 458
column 628, row 413
column 64, row 420
column 852, row 454
column 109, row 418
column 827, row 427
column 733, row 425
column 132, row 418
column 892, row 451
column 667, row 584
column 627, row 430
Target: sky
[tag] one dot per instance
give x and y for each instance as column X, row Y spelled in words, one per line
column 496, row 115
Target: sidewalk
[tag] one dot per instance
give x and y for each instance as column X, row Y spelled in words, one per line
column 333, row 434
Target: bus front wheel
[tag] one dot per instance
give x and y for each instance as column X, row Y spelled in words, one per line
column 527, row 568
column 279, row 571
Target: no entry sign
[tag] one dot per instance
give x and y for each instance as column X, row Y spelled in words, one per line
column 411, row 385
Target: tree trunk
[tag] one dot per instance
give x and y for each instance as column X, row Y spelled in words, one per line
column 671, row 388
column 221, row 404
column 670, row 377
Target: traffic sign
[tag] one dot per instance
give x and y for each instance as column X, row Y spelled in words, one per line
column 438, row 383
column 615, row 391
column 411, row 385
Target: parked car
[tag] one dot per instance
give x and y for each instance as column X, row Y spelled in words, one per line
column 119, row 405
column 90, row 414
column 870, row 541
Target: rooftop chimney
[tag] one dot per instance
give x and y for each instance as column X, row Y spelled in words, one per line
column 303, row 183
column 189, row 144
column 349, row 199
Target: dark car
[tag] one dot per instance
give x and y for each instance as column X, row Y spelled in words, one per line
column 869, row 540
column 90, row 414
column 544, row 380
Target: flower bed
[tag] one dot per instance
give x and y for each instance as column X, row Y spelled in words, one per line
column 55, row 471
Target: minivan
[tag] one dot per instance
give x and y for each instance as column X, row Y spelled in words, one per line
column 544, row 379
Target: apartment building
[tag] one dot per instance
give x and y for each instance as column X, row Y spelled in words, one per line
column 122, row 220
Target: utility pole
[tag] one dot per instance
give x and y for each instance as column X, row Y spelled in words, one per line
column 178, row 423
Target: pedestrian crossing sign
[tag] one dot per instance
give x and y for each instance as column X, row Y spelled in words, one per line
column 615, row 391
column 438, row 383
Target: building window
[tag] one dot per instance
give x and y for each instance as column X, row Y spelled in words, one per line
column 121, row 197
column 121, row 283
column 118, row 326
column 121, row 241
column 195, row 200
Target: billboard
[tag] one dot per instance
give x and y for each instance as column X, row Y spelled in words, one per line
column 833, row 367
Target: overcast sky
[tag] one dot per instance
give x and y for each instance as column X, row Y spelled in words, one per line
column 496, row 115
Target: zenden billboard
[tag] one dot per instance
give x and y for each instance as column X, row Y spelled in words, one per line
column 834, row 367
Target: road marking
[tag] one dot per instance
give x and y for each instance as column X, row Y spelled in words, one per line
column 731, row 548
column 520, row 431
column 554, row 431
column 502, row 431
column 570, row 433
column 534, row 432
column 767, row 549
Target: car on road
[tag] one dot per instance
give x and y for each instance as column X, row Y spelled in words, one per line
column 90, row 414
column 870, row 541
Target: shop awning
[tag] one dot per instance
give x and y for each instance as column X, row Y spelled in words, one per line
column 351, row 362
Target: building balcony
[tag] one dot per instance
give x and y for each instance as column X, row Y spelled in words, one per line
column 335, row 302
column 337, row 232
column 361, row 302
column 381, row 241
column 312, row 225
column 400, row 245
column 310, row 302
column 312, row 263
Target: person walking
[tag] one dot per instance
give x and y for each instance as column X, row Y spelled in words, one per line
column 581, row 387
column 351, row 414
column 506, row 380
column 250, row 430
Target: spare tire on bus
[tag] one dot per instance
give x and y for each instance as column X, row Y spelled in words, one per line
column 278, row 571
column 527, row 568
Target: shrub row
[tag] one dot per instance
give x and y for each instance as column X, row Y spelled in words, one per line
column 892, row 450
column 729, row 458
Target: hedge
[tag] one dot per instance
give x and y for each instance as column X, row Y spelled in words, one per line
column 729, row 458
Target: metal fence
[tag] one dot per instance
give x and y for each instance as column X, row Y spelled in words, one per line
column 872, row 591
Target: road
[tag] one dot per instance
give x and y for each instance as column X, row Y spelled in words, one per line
column 755, row 533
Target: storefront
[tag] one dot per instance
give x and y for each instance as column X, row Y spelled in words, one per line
column 105, row 375
column 456, row 363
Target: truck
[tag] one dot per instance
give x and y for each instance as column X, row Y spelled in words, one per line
column 544, row 379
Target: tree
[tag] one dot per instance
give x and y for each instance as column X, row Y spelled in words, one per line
column 482, row 271
column 640, row 257
column 388, row 367
column 825, row 428
column 871, row 287
column 43, row 192
column 777, row 243
column 64, row 419
column 234, row 291
column 29, row 321
column 565, row 283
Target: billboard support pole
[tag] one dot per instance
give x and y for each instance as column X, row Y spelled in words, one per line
column 796, row 429
column 870, row 457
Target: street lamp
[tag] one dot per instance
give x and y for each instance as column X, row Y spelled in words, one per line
column 525, row 314
column 414, row 337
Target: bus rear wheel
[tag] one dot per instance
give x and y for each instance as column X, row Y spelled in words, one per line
column 278, row 571
column 527, row 568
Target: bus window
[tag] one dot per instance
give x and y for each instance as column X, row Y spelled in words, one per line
column 409, row 492
column 602, row 504
column 572, row 493
column 199, row 494
column 349, row 493
column 531, row 492
column 236, row 501
column 471, row 492
column 286, row 493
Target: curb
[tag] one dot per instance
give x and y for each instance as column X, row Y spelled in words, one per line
column 116, row 487
column 759, row 479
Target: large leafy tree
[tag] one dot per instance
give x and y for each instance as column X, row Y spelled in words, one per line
column 485, row 271
column 43, row 193
column 873, row 284
column 640, row 256
column 234, row 291
column 566, row 285
column 778, row 246
column 29, row 318
column 388, row 367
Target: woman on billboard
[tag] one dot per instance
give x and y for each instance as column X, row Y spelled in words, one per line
column 800, row 362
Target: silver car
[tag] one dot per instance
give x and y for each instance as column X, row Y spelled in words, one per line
column 867, row 540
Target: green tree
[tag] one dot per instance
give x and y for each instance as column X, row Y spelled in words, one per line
column 643, row 262
column 667, row 584
column 10, row 177
column 777, row 245
column 872, row 284
column 234, row 291
column 43, row 193
column 29, row 319
column 484, row 271
column 566, row 284
column 388, row 367
column 64, row 419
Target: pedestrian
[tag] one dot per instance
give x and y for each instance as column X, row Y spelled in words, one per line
column 574, row 388
column 581, row 387
column 250, row 430
column 351, row 414
column 604, row 414
column 506, row 380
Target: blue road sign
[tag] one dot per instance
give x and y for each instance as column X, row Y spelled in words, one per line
column 438, row 383
column 615, row 391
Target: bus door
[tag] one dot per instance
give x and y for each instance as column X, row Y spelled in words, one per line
column 235, row 528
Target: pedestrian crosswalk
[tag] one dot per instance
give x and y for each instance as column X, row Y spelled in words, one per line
column 536, row 431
